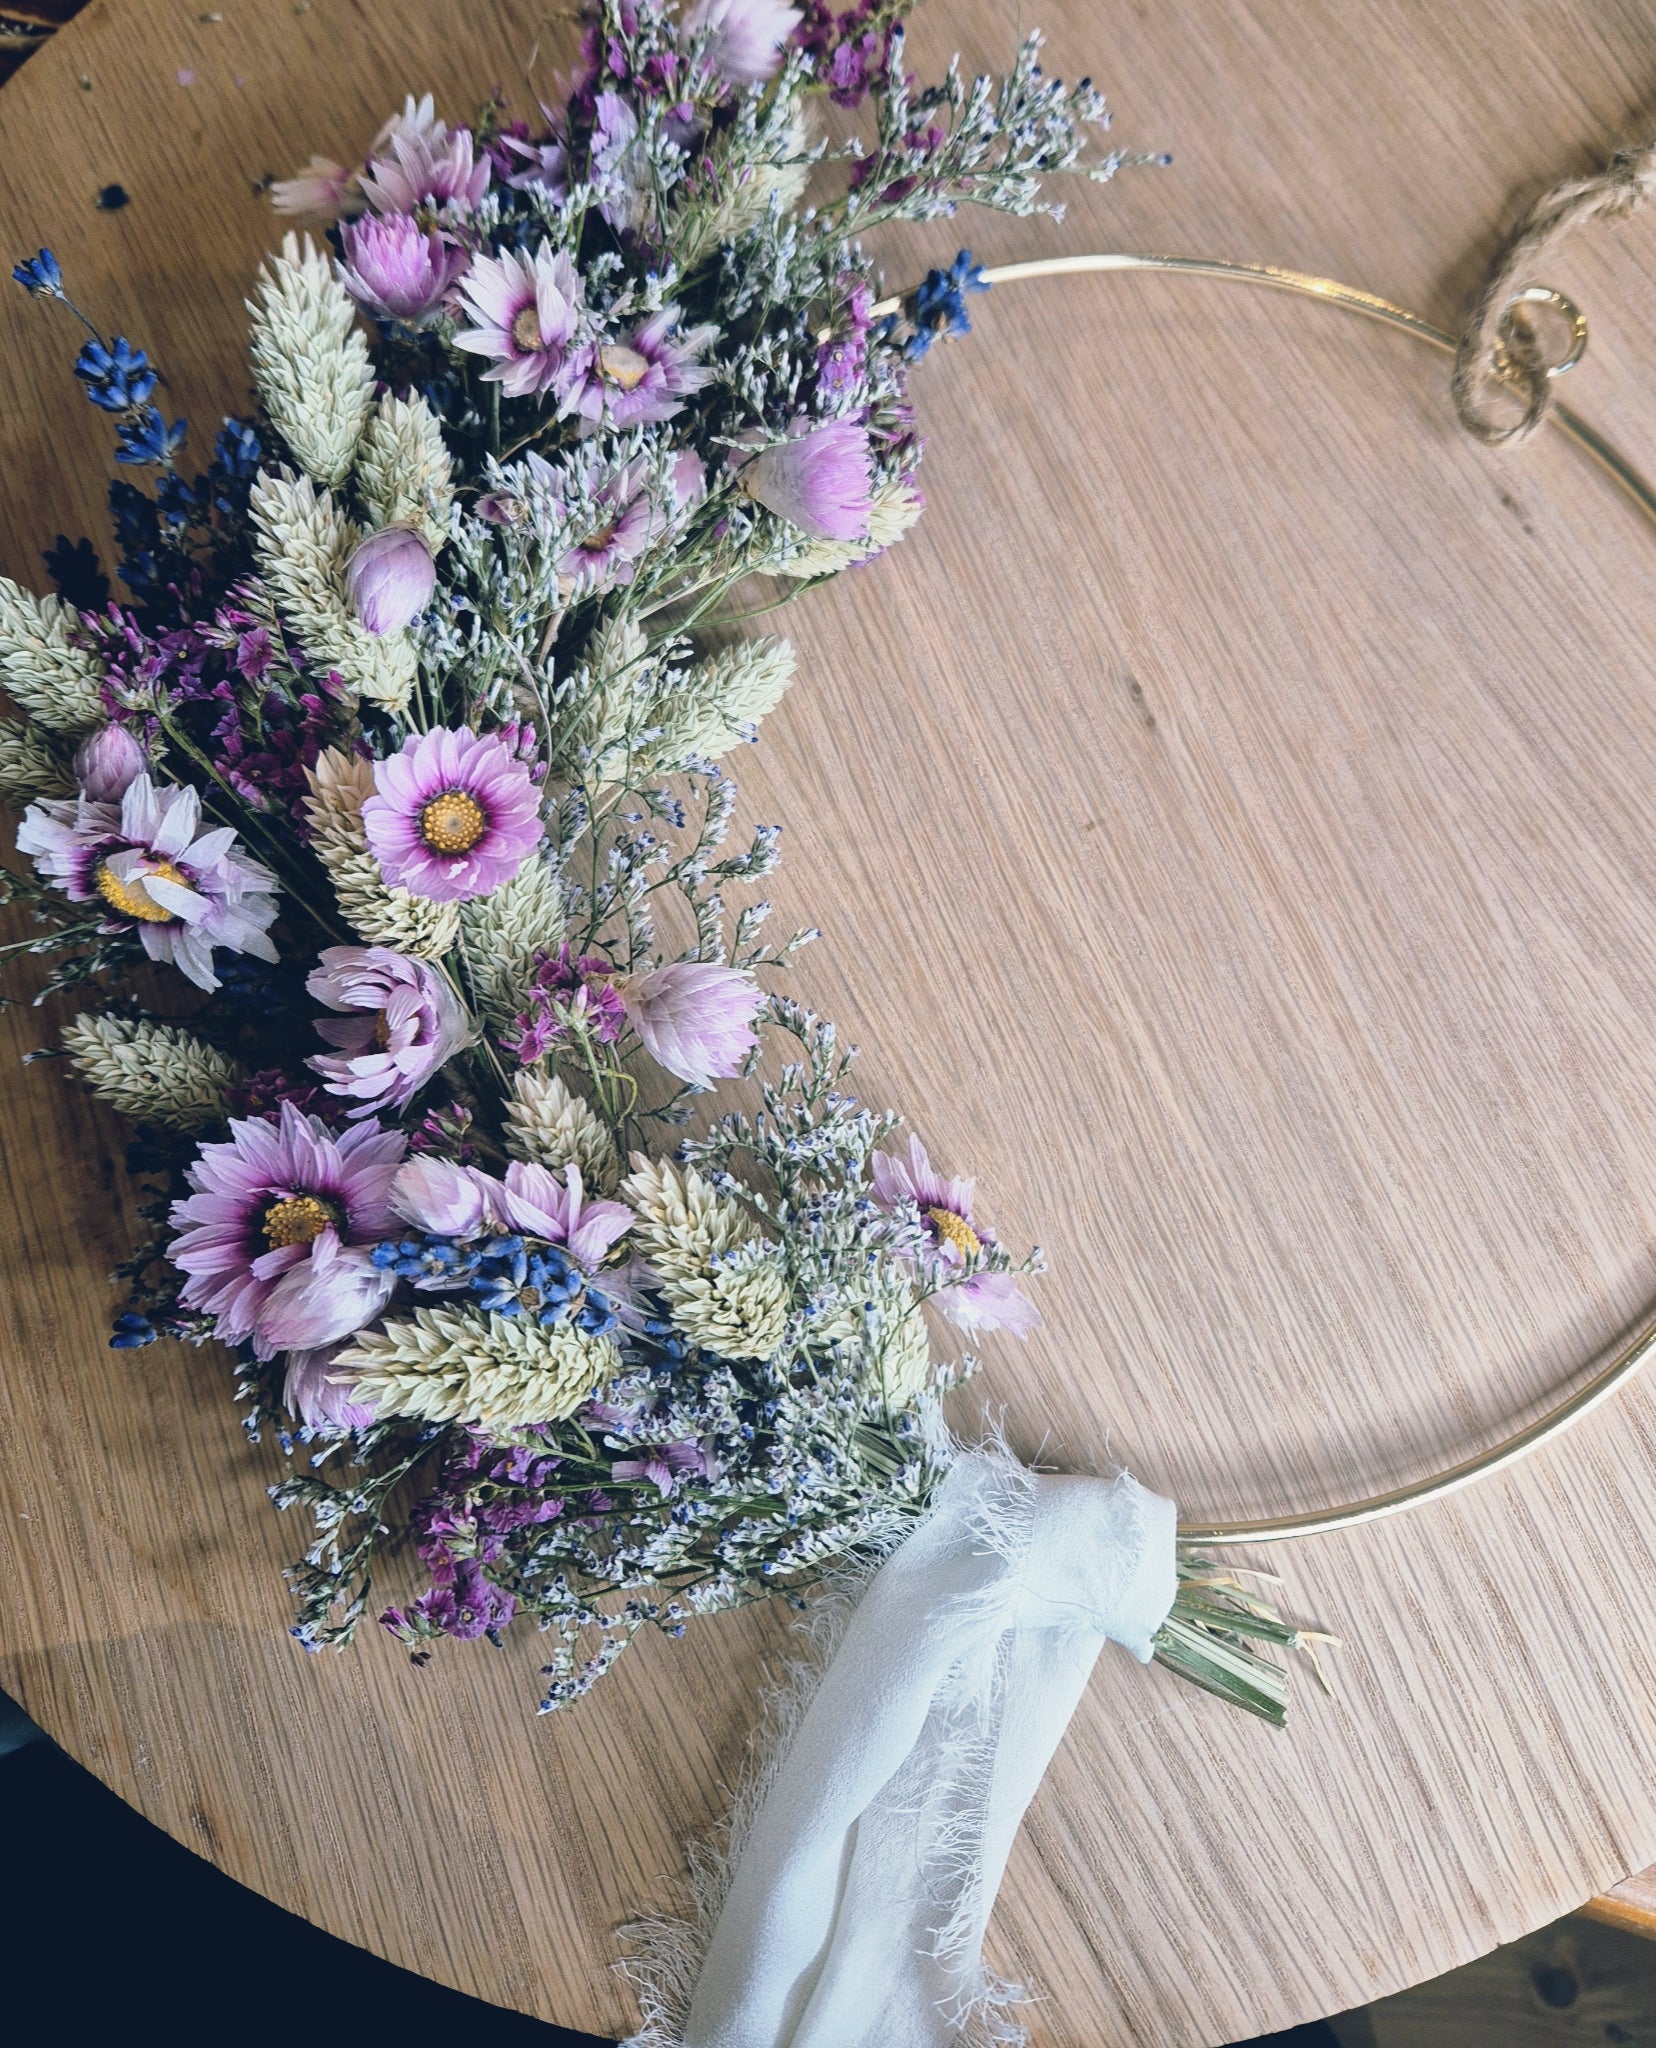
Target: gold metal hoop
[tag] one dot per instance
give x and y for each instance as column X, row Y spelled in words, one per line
column 1637, row 1349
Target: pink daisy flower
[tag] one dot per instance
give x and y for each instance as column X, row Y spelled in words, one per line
column 182, row 891
column 398, row 269
column 694, row 1019
column 274, row 1242
column 528, row 315
column 424, row 161
column 403, row 1022
column 453, row 815
column 644, row 379
column 626, row 518
column 819, row 479
column 979, row 1301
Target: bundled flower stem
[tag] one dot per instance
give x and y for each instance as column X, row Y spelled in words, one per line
column 400, row 753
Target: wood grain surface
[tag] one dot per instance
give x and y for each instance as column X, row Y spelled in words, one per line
column 1229, row 813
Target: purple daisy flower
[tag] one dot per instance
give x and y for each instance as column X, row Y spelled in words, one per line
column 545, row 164
column 745, row 36
column 626, row 518
column 407, row 1022
column 979, row 1301
column 397, row 269
column 181, row 890
column 528, row 315
column 819, row 479
column 452, row 816
column 274, row 1243
column 663, row 1465
column 693, row 1018
column 643, row 379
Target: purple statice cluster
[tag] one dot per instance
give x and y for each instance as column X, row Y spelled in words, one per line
column 488, row 1141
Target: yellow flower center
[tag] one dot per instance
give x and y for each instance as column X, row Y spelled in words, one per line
column 955, row 1230
column 453, row 822
column 382, row 1032
column 131, row 899
column 297, row 1219
column 526, row 329
column 623, row 367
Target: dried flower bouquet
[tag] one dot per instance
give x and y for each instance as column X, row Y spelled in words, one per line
column 398, row 760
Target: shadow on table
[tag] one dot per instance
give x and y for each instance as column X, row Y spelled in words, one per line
column 106, row 1923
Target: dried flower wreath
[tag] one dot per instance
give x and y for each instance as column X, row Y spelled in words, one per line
column 398, row 758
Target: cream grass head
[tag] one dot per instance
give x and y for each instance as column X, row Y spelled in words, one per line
column 502, row 1371
column 724, row 1281
column 549, row 1125
column 59, row 685
column 304, row 542
column 502, row 933
column 403, row 474
column 153, row 1073
column 310, row 360
column 31, row 767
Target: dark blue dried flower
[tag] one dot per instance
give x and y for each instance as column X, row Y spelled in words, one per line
column 940, row 303
column 236, row 452
column 117, row 377
column 148, row 438
column 40, row 276
column 132, row 1332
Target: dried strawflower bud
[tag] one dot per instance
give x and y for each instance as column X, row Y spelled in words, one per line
column 389, row 579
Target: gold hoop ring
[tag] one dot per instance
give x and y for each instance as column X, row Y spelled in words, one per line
column 1637, row 1349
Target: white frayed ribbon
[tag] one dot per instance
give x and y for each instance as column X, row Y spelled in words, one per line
column 851, row 1908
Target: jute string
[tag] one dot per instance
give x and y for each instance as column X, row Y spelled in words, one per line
column 1503, row 382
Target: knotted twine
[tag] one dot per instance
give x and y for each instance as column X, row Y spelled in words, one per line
column 1500, row 360
column 850, row 1908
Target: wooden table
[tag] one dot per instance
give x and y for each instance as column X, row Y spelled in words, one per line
column 1230, row 818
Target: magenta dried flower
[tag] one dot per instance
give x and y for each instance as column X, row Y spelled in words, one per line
column 389, row 578
column 453, row 815
column 403, row 1022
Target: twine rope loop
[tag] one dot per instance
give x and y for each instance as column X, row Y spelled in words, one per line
column 1504, row 375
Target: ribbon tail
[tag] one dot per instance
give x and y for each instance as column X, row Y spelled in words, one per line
column 852, row 1907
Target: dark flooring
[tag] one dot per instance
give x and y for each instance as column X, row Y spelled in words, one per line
column 111, row 1932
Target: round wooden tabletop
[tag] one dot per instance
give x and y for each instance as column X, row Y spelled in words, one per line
column 1229, row 816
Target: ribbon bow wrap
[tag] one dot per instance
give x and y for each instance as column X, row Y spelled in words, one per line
column 855, row 1895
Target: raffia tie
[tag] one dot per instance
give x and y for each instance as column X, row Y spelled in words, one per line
column 1500, row 361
